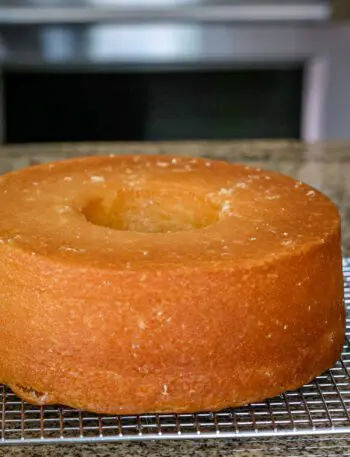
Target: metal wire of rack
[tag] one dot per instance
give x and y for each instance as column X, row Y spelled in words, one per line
column 319, row 408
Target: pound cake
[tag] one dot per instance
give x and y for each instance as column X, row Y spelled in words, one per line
column 135, row 284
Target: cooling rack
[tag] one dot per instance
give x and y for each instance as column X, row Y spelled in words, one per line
column 319, row 408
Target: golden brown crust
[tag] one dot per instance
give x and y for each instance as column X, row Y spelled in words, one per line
column 238, row 298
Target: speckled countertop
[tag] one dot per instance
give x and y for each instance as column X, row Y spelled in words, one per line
column 324, row 166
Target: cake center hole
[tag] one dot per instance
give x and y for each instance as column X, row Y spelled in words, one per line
column 151, row 212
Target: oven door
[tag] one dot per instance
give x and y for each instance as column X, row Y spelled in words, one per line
column 137, row 35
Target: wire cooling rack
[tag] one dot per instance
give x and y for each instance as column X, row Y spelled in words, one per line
column 321, row 407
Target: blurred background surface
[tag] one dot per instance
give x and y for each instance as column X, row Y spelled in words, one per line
column 95, row 70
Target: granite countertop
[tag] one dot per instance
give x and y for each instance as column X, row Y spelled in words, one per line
column 324, row 166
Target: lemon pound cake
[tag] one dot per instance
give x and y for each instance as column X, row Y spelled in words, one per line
column 135, row 284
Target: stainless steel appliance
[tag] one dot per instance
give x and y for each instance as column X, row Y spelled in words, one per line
column 138, row 35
